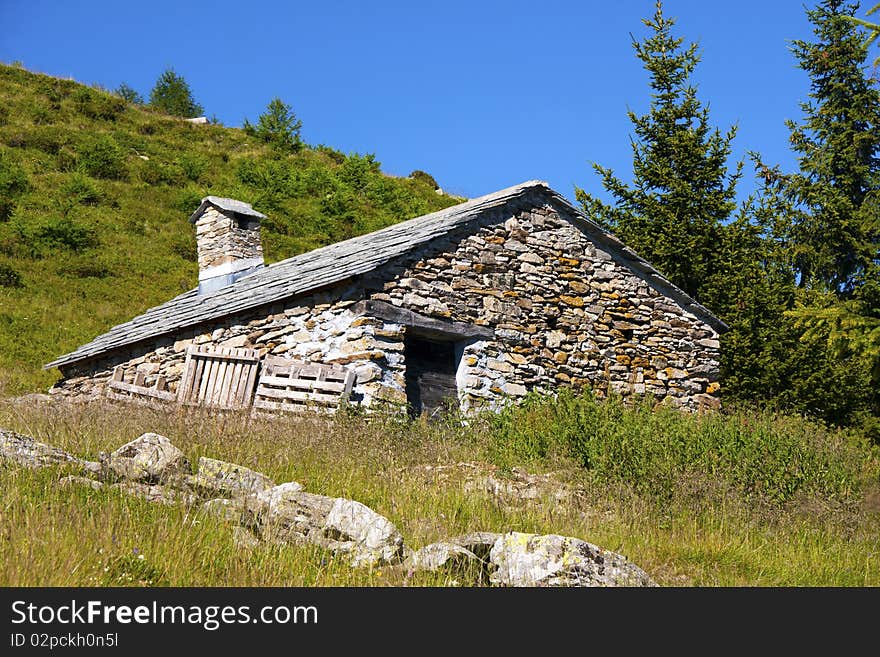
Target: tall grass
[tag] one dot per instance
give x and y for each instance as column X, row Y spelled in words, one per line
column 744, row 516
column 758, row 457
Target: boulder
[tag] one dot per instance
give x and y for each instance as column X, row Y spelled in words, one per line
column 286, row 513
column 552, row 560
column 149, row 458
column 25, row 451
column 228, row 479
column 370, row 537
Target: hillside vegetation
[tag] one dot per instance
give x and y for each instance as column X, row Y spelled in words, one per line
column 95, row 196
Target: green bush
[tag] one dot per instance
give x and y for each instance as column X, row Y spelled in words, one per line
column 85, row 269
column 97, row 105
column 54, row 232
column 278, row 127
column 172, row 95
column 192, row 165
column 101, row 157
column 80, row 189
column 13, row 183
column 9, row 277
column 154, row 173
column 424, row 177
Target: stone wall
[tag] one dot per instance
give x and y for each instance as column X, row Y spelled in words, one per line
column 221, row 239
column 564, row 313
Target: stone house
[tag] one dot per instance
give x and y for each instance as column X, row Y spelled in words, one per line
column 479, row 303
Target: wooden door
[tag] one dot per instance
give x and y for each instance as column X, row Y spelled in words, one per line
column 219, row 377
column 430, row 375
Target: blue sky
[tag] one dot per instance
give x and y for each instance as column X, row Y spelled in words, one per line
column 482, row 95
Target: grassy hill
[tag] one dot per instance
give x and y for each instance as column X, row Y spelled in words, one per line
column 95, row 194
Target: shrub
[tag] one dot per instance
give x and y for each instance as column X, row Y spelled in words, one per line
column 101, row 157
column 9, row 277
column 188, row 199
column 97, row 105
column 85, row 269
column 154, row 173
column 13, row 183
column 54, row 232
column 81, row 189
column 424, row 177
column 192, row 165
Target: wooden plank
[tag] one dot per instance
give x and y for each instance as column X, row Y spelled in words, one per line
column 220, row 382
column 309, row 384
column 292, row 408
column 251, row 379
column 139, row 378
column 347, row 386
column 185, row 379
column 422, row 324
column 205, row 379
column 232, row 385
column 296, row 395
column 117, row 373
column 142, row 390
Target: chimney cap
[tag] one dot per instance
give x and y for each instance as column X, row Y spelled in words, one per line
column 228, row 204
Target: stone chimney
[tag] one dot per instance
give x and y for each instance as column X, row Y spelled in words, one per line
column 228, row 241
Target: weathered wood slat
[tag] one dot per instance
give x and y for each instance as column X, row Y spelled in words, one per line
column 307, row 384
column 143, row 390
column 291, row 408
column 298, row 395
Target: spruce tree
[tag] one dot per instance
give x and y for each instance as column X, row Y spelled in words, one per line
column 834, row 231
column 828, row 223
column 681, row 194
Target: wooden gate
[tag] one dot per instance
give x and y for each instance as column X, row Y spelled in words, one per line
column 219, row 377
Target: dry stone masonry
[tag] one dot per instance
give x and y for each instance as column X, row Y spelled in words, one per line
column 554, row 309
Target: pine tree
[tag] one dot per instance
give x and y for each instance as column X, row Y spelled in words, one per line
column 674, row 211
column 172, row 95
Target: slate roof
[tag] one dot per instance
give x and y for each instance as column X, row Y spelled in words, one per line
column 358, row 255
column 228, row 204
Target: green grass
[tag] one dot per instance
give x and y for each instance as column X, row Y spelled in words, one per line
column 698, row 527
column 95, row 196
